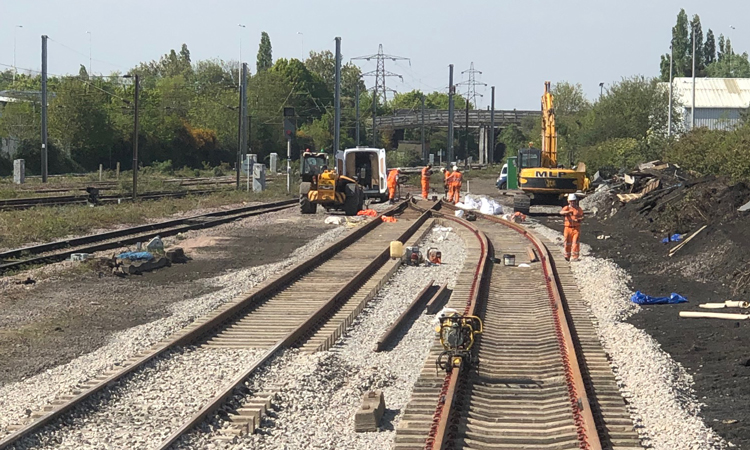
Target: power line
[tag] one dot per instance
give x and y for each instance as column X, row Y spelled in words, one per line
column 471, row 85
column 380, row 73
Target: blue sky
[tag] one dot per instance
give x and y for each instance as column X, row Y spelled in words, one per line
column 516, row 44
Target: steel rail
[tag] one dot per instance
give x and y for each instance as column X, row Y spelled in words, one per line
column 15, row 204
column 306, row 328
column 166, row 228
column 580, row 405
column 420, row 299
column 218, row 318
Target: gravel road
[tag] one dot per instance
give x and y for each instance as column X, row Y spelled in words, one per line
column 321, row 392
column 18, row 400
column 659, row 390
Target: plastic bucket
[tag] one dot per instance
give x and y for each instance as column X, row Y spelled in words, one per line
column 397, row 249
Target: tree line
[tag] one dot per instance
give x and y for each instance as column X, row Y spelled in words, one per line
column 188, row 111
column 713, row 58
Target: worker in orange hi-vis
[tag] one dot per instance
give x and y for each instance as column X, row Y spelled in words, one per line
column 392, row 183
column 446, row 175
column 456, row 182
column 573, row 218
column 426, row 172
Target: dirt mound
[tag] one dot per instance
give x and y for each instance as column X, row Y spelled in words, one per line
column 678, row 204
column 684, row 207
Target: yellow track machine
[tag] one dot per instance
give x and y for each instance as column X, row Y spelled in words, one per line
column 457, row 335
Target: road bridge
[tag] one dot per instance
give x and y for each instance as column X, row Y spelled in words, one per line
column 478, row 118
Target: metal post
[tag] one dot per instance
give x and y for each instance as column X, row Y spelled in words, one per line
column 451, row 89
column 15, row 69
column 90, row 70
column 374, row 114
column 239, row 129
column 491, row 150
column 356, row 107
column 425, row 156
column 135, row 138
column 671, row 90
column 243, row 113
column 44, row 109
column 692, row 119
column 337, row 99
column 288, row 164
column 466, row 135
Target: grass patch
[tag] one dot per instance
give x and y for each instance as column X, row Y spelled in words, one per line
column 45, row 224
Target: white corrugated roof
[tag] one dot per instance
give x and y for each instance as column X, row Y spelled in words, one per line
column 713, row 92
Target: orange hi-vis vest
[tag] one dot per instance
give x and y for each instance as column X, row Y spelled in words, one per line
column 426, row 173
column 392, row 177
column 456, row 178
column 573, row 216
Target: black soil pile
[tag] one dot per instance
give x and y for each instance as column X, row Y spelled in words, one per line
column 712, row 267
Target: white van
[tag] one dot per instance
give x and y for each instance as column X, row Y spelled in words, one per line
column 367, row 166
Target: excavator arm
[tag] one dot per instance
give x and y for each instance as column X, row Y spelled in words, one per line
column 549, row 131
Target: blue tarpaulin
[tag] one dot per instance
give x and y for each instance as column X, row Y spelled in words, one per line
column 136, row 256
column 673, row 238
column 643, row 299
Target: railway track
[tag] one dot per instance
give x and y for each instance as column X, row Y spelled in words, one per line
column 25, row 257
column 308, row 307
column 60, row 200
column 543, row 381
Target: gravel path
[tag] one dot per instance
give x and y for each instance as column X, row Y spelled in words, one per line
column 321, row 392
column 659, row 390
column 142, row 410
column 18, row 400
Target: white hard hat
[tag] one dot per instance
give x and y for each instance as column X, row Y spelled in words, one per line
column 572, row 197
column 442, row 169
column 455, row 167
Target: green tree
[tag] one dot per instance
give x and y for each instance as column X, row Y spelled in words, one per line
column 265, row 54
column 571, row 106
column 709, row 49
column 680, row 48
column 731, row 65
column 310, row 93
column 512, row 138
column 79, row 122
column 696, row 32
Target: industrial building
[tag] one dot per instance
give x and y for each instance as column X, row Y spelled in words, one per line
column 719, row 102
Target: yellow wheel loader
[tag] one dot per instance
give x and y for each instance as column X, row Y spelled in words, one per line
column 323, row 186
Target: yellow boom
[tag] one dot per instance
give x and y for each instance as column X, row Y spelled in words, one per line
column 549, row 131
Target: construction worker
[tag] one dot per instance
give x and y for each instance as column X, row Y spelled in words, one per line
column 446, row 184
column 426, row 172
column 573, row 218
column 392, row 183
column 456, row 180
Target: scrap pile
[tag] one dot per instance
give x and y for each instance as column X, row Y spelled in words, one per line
column 665, row 200
column 678, row 221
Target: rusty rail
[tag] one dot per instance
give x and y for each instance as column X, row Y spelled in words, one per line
column 580, row 406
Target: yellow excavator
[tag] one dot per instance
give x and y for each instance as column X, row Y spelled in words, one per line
column 540, row 178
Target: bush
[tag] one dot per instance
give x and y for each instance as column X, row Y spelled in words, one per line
column 714, row 152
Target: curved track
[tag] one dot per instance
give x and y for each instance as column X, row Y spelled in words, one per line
column 327, row 293
column 539, row 385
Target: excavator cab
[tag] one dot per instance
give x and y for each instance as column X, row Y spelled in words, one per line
column 529, row 157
